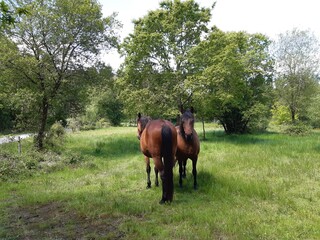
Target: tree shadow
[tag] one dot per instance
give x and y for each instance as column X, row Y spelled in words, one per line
column 213, row 187
column 219, row 136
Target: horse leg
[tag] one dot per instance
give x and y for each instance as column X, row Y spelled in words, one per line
column 159, row 166
column 148, row 170
column 184, row 168
column 164, row 193
column 180, row 172
column 194, row 172
column 156, row 171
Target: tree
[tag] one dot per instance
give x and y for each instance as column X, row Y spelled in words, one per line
column 156, row 58
column 234, row 78
column 110, row 107
column 297, row 65
column 8, row 14
column 16, row 106
column 55, row 39
column 104, row 98
column 313, row 111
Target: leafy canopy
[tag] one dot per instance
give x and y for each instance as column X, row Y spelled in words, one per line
column 156, row 57
column 55, row 40
column 234, row 78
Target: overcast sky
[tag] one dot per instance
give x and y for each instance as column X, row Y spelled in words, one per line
column 270, row 17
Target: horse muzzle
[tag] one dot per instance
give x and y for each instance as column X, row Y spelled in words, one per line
column 189, row 137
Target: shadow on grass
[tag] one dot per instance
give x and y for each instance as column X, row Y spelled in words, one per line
column 317, row 148
column 220, row 136
column 220, row 188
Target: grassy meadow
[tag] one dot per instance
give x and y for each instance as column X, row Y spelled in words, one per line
column 262, row 186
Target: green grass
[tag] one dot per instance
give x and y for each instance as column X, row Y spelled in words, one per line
column 263, row 186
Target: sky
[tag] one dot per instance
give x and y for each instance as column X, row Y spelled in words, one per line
column 270, row 17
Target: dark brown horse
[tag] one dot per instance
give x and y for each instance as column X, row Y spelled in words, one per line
column 188, row 146
column 158, row 140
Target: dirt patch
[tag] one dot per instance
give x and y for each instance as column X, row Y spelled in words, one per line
column 52, row 221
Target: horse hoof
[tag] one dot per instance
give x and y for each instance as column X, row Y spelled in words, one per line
column 148, row 186
column 163, row 201
column 195, row 187
column 157, row 184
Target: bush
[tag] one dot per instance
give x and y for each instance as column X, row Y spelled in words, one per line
column 75, row 158
column 110, row 107
column 56, row 135
column 11, row 166
column 15, row 167
column 74, row 124
column 280, row 114
column 298, row 128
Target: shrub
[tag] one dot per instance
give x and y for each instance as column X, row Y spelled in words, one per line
column 298, row 128
column 15, row 167
column 56, row 135
column 11, row 166
column 74, row 124
column 280, row 114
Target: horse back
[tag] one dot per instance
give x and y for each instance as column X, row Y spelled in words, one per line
column 151, row 138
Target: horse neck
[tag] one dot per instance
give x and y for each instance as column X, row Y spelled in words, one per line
column 181, row 130
column 144, row 123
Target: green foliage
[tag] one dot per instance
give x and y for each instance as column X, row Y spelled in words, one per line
column 235, row 80
column 313, row 111
column 10, row 167
column 56, row 136
column 103, row 105
column 8, row 14
column 297, row 64
column 280, row 114
column 156, row 58
column 59, row 37
column 110, row 107
column 297, row 128
column 24, row 102
column 259, row 117
column 15, row 167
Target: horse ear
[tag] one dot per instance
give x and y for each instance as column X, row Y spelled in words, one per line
column 181, row 108
column 139, row 115
column 192, row 110
column 178, row 119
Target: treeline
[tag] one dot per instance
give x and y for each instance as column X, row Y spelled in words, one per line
column 50, row 69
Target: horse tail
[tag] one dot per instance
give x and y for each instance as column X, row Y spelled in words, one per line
column 167, row 178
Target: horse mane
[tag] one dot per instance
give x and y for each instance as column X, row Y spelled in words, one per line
column 143, row 121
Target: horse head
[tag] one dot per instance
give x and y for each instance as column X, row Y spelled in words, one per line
column 187, row 124
column 141, row 124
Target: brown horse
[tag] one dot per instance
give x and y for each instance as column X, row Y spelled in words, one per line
column 188, row 146
column 158, row 140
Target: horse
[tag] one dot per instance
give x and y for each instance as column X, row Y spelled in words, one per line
column 158, row 140
column 188, row 146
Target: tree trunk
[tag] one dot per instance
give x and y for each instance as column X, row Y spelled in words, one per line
column 293, row 116
column 43, row 123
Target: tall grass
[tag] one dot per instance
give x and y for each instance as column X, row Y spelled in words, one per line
column 264, row 186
